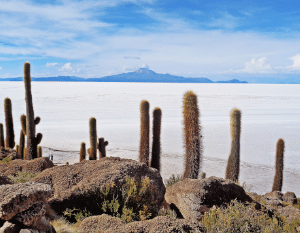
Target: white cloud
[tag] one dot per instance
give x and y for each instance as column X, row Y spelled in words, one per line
column 52, row 64
column 256, row 66
column 296, row 60
column 68, row 68
column 0, row 67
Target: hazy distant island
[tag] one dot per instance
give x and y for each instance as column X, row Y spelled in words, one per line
column 143, row 75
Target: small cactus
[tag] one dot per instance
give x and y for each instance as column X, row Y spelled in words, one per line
column 155, row 159
column 18, row 149
column 93, row 139
column 82, row 153
column 10, row 135
column 1, row 135
column 277, row 184
column 192, row 136
column 101, row 146
column 233, row 164
column 32, row 139
column 22, row 144
column 39, row 152
column 202, row 175
column 144, row 141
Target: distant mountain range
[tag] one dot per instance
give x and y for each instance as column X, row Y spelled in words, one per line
column 142, row 75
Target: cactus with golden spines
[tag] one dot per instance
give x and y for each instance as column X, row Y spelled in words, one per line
column 82, row 153
column 39, row 152
column 278, row 178
column 92, row 151
column 233, row 164
column 144, row 137
column 192, row 136
column 1, row 135
column 32, row 139
column 202, row 175
column 10, row 135
column 101, row 146
column 156, row 128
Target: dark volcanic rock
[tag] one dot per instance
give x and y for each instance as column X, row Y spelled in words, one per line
column 192, row 197
column 71, row 181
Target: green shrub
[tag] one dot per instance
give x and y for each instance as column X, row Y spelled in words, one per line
column 79, row 215
column 166, row 212
column 23, row 177
column 133, row 201
column 237, row 217
column 173, row 180
column 6, row 160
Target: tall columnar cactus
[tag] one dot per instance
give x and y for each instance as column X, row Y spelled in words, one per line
column 93, row 139
column 233, row 164
column 82, row 153
column 101, row 146
column 21, row 144
column 10, row 135
column 277, row 184
column 1, row 135
column 192, row 136
column 144, row 141
column 32, row 139
column 39, row 152
column 23, row 123
column 155, row 159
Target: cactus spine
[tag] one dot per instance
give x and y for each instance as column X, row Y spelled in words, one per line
column 233, row 164
column 277, row 184
column 101, row 146
column 144, row 140
column 32, row 140
column 82, row 153
column 1, row 135
column 155, row 159
column 10, row 135
column 192, row 136
column 93, row 139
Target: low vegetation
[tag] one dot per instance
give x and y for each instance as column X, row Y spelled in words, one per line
column 23, row 177
column 133, row 201
column 237, row 217
column 173, row 180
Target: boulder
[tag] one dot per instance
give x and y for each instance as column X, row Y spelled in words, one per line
column 31, row 215
column 163, row 224
column 42, row 225
column 100, row 223
column 290, row 212
column 290, row 197
column 15, row 198
column 273, row 198
column 5, row 180
column 70, row 182
column 32, row 166
column 190, row 198
column 9, row 227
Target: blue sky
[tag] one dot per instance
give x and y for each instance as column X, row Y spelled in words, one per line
column 218, row 39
